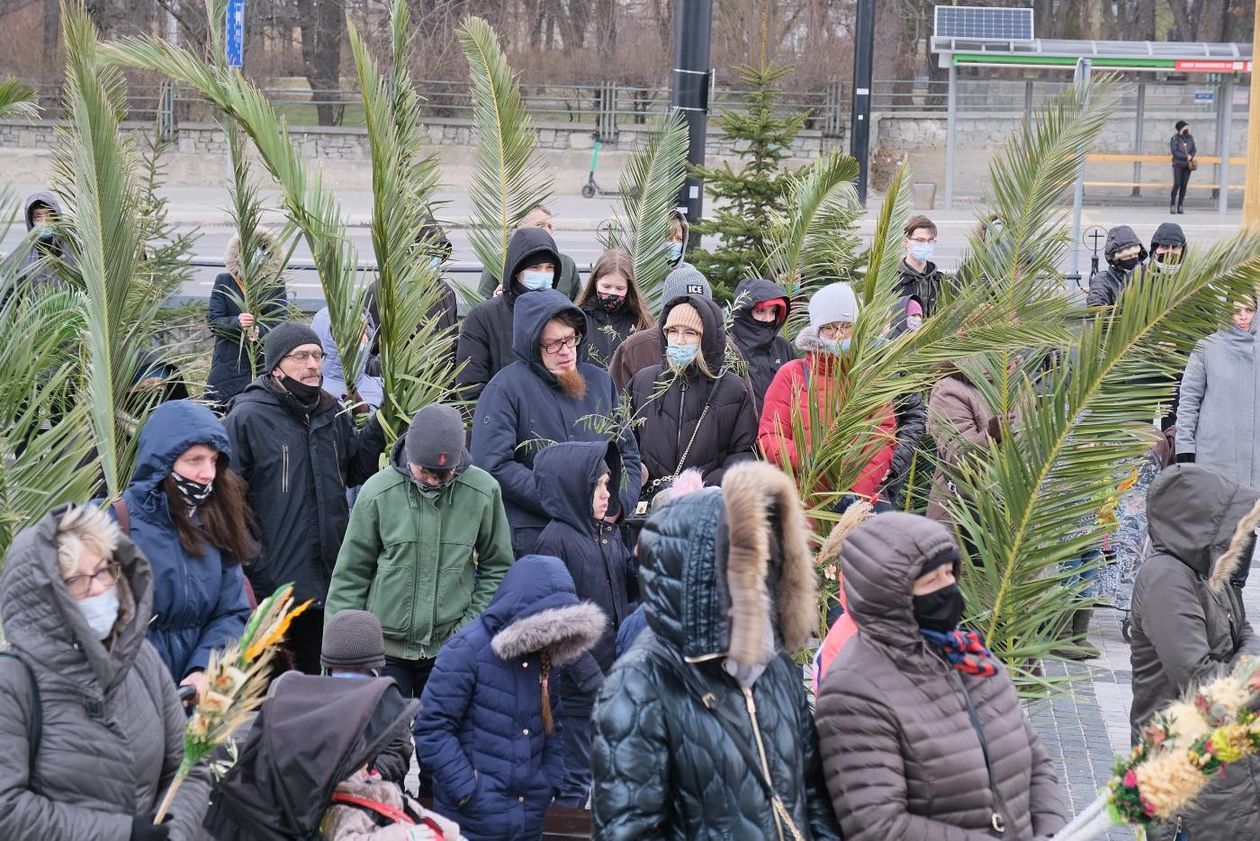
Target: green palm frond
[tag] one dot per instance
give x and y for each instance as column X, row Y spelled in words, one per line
column 649, row 188
column 507, row 180
column 17, row 99
column 309, row 203
column 416, row 364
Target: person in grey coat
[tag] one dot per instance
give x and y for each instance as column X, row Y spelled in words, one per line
column 76, row 597
column 1216, row 409
column 1190, row 626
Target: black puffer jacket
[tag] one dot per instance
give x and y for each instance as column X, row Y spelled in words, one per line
column 1106, row 285
column 670, row 405
column 759, row 342
column 664, row 763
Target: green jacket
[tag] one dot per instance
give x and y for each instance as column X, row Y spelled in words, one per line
column 424, row 565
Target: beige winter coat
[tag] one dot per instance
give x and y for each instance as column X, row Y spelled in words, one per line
column 958, row 420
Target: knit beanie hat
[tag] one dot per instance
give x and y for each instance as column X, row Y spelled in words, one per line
column 684, row 316
column 834, row 302
column 283, row 339
column 353, row 640
column 685, row 280
column 435, row 439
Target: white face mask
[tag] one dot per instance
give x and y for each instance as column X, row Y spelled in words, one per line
column 101, row 612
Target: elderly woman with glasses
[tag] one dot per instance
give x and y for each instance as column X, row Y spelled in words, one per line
column 91, row 727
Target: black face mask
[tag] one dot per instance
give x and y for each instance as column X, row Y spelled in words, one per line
column 307, row 396
column 192, row 493
column 1127, row 265
column 940, row 610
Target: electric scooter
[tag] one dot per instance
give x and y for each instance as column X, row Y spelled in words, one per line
column 591, row 189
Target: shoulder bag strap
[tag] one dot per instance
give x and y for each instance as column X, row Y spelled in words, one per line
column 35, row 726
column 385, row 810
column 997, row 822
column 124, row 517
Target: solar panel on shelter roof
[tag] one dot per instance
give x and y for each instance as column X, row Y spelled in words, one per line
column 983, row 23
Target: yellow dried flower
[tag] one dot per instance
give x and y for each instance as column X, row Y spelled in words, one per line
column 1169, row 783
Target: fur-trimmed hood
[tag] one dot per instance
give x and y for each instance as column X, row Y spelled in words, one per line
column 729, row 572
column 263, row 238
column 536, row 608
column 809, row 341
column 1203, row 520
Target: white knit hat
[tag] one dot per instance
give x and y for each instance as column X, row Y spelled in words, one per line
column 834, row 302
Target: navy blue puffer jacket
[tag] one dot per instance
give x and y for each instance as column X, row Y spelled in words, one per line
column 199, row 604
column 480, row 730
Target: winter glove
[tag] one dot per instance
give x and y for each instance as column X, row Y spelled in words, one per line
column 143, row 829
column 995, row 429
column 1185, row 458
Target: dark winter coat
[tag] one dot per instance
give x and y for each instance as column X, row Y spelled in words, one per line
column 480, row 730
column 924, row 285
column 113, row 728
column 569, row 282
column 672, row 407
column 910, row 410
column 592, row 551
column 199, row 604
column 229, row 365
column 485, row 340
column 607, row 330
column 37, row 269
column 1190, row 626
column 1182, row 148
column 297, row 467
column 1107, row 284
column 902, row 758
column 724, row 573
column 523, row 404
column 759, row 342
column 443, row 314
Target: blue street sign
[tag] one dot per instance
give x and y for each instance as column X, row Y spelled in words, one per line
column 1204, row 97
column 235, row 31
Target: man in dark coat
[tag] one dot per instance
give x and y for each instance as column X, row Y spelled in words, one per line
column 548, row 394
column 298, row 451
column 910, row 409
column 760, row 311
column 918, row 275
column 1124, row 253
column 1190, row 624
column 485, row 341
column 569, row 282
column 572, row 478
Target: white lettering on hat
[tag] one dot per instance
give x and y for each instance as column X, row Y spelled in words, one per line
column 695, row 289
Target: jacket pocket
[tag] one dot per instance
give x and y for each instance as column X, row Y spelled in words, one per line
column 391, row 599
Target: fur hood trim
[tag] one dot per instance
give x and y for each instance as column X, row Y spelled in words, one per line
column 566, row 633
column 1227, row 564
column 753, row 493
column 809, row 342
column 232, row 256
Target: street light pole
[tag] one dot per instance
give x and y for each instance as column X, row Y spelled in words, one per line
column 693, row 25
column 860, row 124
column 1251, row 200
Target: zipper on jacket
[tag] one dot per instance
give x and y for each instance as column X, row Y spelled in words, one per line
column 682, row 402
column 284, row 467
column 751, row 706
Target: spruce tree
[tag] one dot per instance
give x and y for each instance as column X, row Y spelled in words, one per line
column 743, row 202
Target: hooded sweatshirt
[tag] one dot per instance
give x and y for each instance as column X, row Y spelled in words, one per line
column 1105, row 286
column 924, row 285
column 485, row 340
column 524, row 404
column 36, row 270
column 759, row 342
column 199, row 604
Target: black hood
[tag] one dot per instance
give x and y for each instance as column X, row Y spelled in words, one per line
column 528, row 246
column 529, row 319
column 566, row 474
column 1170, row 234
column 713, row 342
column 1119, row 238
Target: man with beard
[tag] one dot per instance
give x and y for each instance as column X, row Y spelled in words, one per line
column 298, row 451
column 549, row 394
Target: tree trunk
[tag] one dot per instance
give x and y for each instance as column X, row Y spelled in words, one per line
column 52, row 41
column 323, row 25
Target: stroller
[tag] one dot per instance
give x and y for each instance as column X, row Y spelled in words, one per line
column 310, row 735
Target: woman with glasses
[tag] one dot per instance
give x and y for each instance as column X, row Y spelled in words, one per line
column 186, row 510
column 91, row 728
column 690, row 410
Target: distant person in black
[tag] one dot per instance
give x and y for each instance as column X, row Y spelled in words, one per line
column 1183, row 163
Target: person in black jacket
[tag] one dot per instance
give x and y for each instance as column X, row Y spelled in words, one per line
column 1124, row 253
column 910, row 409
column 760, row 311
column 574, row 485
column 298, row 451
column 569, row 282
column 613, row 305
column 1183, row 158
column 485, row 341
column 238, row 335
column 1167, row 245
column 692, row 411
column 918, row 275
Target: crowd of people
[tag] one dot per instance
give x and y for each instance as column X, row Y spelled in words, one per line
column 594, row 583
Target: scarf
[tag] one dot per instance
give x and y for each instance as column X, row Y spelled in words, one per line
column 964, row 650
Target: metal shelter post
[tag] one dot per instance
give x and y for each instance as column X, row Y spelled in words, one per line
column 1137, row 135
column 693, row 24
column 1219, row 145
column 860, row 125
column 1225, row 142
column 1251, row 194
column 950, row 126
column 1081, row 80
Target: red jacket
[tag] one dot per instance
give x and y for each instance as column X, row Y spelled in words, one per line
column 789, row 389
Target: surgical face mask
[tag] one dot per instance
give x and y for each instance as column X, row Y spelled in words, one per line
column 923, row 251
column 680, row 356
column 192, row 493
column 435, row 262
column 1128, row 264
column 535, row 281
column 673, row 251
column 101, row 612
column 940, row 610
column 837, row 346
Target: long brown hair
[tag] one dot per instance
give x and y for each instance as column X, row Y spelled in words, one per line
column 225, row 518
column 616, row 261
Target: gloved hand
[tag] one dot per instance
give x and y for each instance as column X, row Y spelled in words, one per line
column 1185, row 458
column 995, row 428
column 143, row 829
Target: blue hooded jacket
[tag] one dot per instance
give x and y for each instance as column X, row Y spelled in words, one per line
column 523, row 404
column 480, row 731
column 199, row 604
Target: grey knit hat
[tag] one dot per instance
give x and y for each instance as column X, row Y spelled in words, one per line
column 353, row 640
column 435, row 439
column 283, row 339
column 685, row 280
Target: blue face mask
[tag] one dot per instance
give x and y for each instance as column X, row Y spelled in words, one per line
column 435, row 262
column 923, row 252
column 673, row 251
column 836, row 346
column 535, row 281
column 680, row 356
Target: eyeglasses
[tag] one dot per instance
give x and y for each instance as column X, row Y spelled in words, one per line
column 931, row 241
column 682, row 334
column 570, row 341
column 80, row 585
column 836, row 328
column 301, row 356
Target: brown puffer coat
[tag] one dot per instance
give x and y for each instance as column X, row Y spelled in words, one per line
column 958, row 420
column 901, row 758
